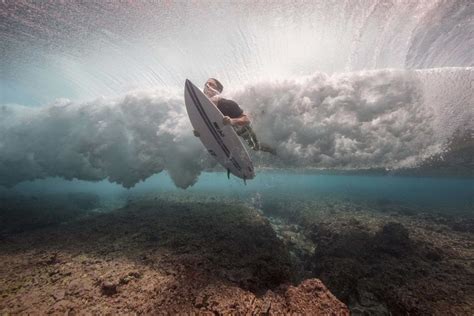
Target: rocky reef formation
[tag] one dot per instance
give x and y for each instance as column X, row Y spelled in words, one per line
column 205, row 254
column 383, row 259
column 158, row 256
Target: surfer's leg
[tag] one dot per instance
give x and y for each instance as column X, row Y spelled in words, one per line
column 249, row 135
column 252, row 139
column 267, row 148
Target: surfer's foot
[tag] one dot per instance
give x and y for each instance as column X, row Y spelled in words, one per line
column 270, row 150
column 265, row 148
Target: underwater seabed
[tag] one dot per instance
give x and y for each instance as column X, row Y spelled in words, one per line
column 379, row 244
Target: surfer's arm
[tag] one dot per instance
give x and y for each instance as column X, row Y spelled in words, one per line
column 242, row 120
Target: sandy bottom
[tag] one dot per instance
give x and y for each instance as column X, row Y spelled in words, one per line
column 204, row 254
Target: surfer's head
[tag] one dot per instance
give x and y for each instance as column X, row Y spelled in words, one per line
column 213, row 87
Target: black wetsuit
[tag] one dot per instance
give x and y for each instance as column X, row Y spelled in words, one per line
column 229, row 108
column 232, row 109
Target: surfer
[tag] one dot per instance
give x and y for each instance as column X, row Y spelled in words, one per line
column 234, row 116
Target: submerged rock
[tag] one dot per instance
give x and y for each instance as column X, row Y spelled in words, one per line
column 108, row 288
column 393, row 239
column 465, row 225
column 386, row 264
column 206, row 258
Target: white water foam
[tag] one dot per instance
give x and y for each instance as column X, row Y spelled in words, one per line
column 372, row 119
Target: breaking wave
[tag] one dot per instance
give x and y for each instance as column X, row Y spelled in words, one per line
column 387, row 119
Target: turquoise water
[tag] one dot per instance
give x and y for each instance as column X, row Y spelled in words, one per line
column 456, row 194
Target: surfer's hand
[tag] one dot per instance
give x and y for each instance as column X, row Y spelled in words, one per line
column 227, row 120
column 196, row 133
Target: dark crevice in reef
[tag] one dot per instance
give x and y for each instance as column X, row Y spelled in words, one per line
column 397, row 265
column 371, row 269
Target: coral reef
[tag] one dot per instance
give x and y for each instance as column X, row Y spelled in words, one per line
column 156, row 256
column 382, row 263
column 201, row 253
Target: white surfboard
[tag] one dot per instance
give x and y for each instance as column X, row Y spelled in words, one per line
column 221, row 141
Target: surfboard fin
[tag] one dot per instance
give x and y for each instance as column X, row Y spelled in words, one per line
column 228, row 174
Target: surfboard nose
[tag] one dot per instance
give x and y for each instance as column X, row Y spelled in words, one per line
column 187, row 84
